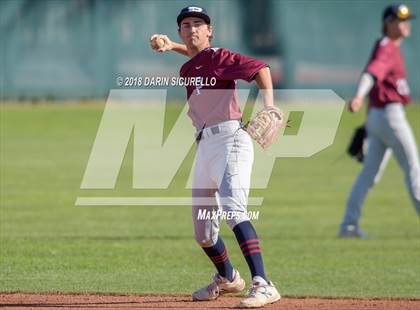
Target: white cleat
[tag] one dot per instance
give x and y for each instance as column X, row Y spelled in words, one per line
column 219, row 286
column 260, row 294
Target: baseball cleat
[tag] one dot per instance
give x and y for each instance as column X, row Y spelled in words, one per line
column 261, row 293
column 220, row 285
column 351, row 231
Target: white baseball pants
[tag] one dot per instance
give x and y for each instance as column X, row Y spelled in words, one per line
column 221, row 178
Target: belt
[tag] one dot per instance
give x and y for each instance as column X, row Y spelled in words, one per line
column 393, row 103
column 216, row 129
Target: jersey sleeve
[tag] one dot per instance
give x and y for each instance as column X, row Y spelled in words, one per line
column 228, row 65
column 381, row 60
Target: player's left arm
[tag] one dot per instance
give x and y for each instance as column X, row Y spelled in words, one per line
column 265, row 83
column 264, row 127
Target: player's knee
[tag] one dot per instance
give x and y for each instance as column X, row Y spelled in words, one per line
column 367, row 176
column 205, row 242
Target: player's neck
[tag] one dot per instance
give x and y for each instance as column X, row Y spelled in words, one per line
column 194, row 50
column 396, row 39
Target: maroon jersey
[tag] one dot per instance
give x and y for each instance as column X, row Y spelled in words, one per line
column 215, row 99
column 387, row 65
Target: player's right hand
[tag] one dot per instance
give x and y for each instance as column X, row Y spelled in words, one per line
column 355, row 104
column 166, row 47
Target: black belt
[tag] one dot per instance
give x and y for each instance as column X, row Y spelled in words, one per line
column 214, row 130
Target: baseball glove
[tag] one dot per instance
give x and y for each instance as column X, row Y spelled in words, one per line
column 355, row 148
column 264, row 127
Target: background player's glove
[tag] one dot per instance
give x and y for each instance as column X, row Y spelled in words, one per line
column 264, row 127
column 355, row 148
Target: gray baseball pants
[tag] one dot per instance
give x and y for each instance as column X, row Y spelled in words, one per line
column 386, row 128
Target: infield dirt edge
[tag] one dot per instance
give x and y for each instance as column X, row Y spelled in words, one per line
column 19, row 300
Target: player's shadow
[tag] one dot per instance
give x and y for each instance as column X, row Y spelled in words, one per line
column 183, row 303
column 108, row 238
column 78, row 305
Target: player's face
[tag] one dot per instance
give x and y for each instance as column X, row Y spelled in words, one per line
column 194, row 32
column 404, row 28
column 398, row 28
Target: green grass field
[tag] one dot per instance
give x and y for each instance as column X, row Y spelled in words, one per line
column 49, row 245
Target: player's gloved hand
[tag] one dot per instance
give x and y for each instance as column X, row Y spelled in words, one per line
column 264, row 127
column 355, row 104
column 161, row 43
column 355, row 148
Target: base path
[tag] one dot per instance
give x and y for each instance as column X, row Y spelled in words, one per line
column 73, row 301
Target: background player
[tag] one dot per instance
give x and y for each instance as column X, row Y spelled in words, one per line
column 224, row 154
column 384, row 79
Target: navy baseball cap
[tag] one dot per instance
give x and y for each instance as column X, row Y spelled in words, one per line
column 397, row 11
column 193, row 11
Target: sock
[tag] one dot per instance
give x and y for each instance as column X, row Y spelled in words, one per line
column 250, row 247
column 218, row 255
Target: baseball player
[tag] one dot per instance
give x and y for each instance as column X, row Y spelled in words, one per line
column 224, row 153
column 384, row 78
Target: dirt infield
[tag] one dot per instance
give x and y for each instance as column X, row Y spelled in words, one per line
column 67, row 301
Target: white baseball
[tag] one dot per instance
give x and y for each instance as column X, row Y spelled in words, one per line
column 160, row 42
